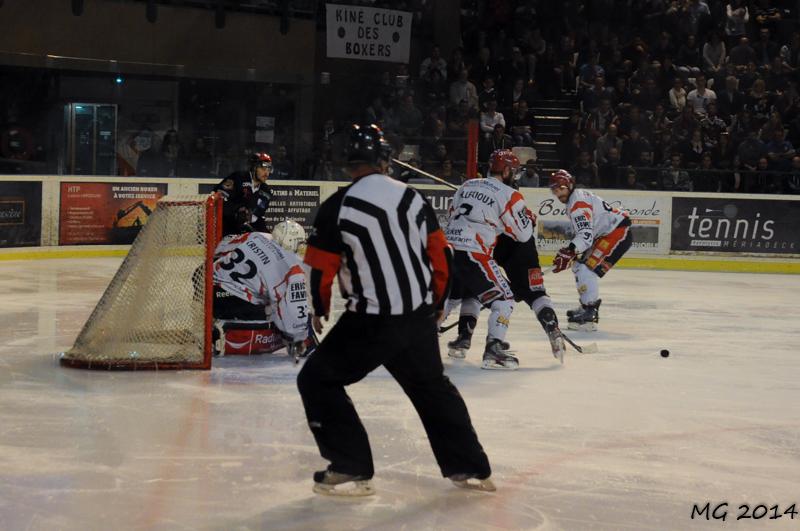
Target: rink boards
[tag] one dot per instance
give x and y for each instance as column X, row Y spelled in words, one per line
column 44, row 217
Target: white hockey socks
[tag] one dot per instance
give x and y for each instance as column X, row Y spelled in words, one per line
column 499, row 318
column 587, row 283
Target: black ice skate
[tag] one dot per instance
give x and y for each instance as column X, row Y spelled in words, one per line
column 573, row 311
column 466, row 327
column 586, row 318
column 330, row 483
column 547, row 317
column 472, row 482
column 458, row 348
column 495, row 358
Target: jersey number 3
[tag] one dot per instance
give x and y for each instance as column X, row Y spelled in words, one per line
column 463, row 210
column 238, row 257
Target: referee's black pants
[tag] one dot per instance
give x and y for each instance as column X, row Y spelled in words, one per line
column 408, row 347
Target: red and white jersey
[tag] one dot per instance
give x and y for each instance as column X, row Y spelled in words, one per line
column 256, row 269
column 591, row 218
column 482, row 210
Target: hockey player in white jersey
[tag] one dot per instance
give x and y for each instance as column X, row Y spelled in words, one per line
column 520, row 261
column 602, row 236
column 258, row 276
column 482, row 210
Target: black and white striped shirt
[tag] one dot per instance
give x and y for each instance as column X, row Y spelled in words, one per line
column 378, row 235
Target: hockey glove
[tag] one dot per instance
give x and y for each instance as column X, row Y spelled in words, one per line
column 262, row 199
column 563, row 259
column 243, row 217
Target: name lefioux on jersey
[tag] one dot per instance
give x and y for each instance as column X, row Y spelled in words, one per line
column 480, row 196
column 482, row 210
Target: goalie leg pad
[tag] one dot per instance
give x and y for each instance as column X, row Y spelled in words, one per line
column 245, row 338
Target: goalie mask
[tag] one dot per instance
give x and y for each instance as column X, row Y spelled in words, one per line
column 289, row 235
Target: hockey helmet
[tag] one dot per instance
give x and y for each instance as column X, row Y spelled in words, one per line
column 561, row 178
column 260, row 159
column 289, row 235
column 502, row 159
column 367, row 144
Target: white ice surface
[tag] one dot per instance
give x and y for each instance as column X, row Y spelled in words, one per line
column 622, row 439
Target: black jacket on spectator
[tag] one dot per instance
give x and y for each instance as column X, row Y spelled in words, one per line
column 750, row 150
column 766, row 52
column 692, row 155
column 729, row 103
column 608, row 174
column 282, row 170
column 740, row 55
column 585, row 176
column 647, row 99
column 632, row 150
column 688, row 56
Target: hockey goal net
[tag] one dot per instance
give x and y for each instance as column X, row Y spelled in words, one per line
column 157, row 311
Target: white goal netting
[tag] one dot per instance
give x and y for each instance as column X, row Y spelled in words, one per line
column 156, row 311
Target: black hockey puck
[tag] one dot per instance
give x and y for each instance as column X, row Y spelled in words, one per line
column 665, row 353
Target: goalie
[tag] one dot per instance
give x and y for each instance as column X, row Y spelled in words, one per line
column 260, row 292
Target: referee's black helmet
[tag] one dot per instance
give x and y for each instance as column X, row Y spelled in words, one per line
column 367, row 145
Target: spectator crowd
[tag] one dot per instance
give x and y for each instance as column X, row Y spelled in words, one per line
column 673, row 95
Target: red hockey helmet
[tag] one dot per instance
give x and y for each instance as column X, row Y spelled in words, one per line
column 260, row 159
column 502, row 159
column 561, row 178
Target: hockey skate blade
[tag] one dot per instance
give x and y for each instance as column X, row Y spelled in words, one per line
column 350, row 489
column 483, row 485
column 457, row 353
column 492, row 366
column 585, row 327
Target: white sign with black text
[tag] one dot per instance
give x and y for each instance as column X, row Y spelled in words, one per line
column 356, row 32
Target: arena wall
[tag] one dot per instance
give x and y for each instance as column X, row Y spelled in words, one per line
column 69, row 216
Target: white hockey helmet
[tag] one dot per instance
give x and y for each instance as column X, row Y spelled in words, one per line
column 289, row 235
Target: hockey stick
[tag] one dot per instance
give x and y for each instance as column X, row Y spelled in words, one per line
column 443, row 329
column 591, row 348
column 425, row 174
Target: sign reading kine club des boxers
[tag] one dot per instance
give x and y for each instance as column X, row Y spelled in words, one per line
column 735, row 225
column 356, row 32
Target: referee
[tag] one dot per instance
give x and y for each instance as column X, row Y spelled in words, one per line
column 382, row 239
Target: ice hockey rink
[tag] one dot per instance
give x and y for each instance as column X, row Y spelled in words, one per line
column 620, row 439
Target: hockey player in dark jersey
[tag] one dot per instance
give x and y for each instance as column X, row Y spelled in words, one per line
column 246, row 196
column 520, row 260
